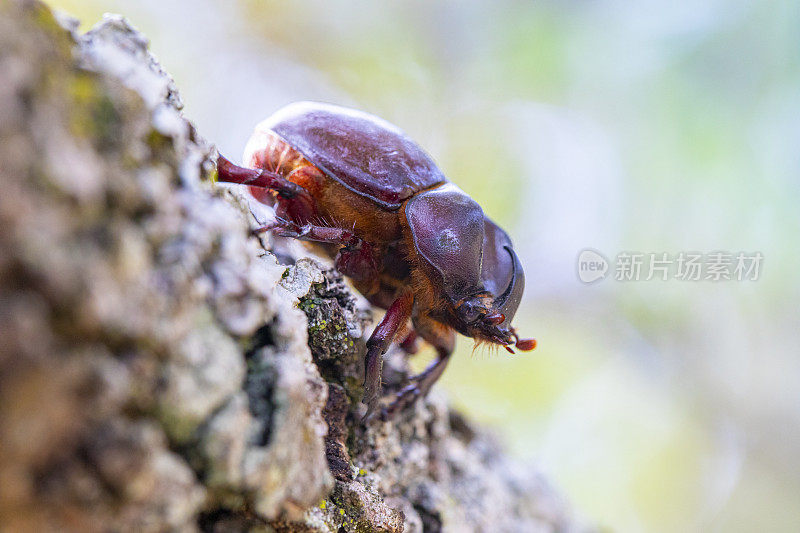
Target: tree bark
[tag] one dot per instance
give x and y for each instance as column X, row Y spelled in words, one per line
column 160, row 369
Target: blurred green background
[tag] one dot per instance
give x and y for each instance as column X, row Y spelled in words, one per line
column 650, row 126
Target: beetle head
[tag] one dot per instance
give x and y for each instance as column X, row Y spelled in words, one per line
column 479, row 274
column 477, row 317
column 504, row 282
column 487, row 317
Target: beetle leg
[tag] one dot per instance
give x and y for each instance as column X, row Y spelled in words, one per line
column 359, row 262
column 358, row 259
column 409, row 344
column 227, row 172
column 396, row 316
column 309, row 232
column 443, row 339
column 292, row 198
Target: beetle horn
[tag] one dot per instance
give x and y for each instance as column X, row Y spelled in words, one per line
column 508, row 301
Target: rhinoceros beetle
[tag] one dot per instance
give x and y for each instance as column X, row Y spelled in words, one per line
column 412, row 242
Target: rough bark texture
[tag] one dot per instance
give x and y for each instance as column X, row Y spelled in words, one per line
column 159, row 368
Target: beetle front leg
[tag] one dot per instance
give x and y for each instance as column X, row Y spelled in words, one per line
column 396, row 316
column 443, row 340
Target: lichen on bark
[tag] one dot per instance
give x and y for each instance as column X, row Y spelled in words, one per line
column 159, row 368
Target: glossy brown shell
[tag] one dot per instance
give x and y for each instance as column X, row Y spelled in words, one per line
column 468, row 251
column 501, row 271
column 448, row 231
column 364, row 153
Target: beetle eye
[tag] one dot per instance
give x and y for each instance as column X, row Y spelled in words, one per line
column 495, row 318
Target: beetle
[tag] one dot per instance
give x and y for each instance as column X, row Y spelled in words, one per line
column 411, row 241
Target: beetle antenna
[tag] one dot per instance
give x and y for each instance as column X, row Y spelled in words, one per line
column 526, row 345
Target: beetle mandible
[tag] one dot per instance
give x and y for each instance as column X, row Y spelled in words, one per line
column 411, row 242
